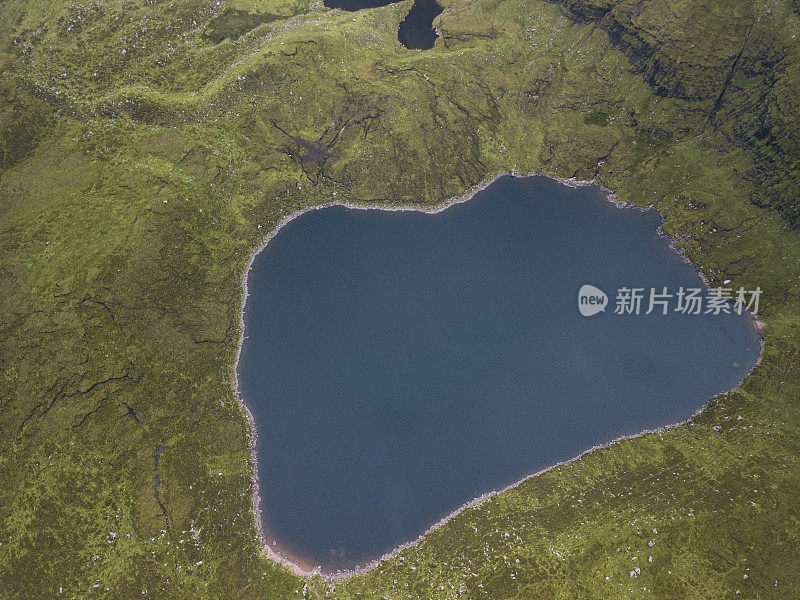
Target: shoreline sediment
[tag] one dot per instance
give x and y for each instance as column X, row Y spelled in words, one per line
column 302, row 568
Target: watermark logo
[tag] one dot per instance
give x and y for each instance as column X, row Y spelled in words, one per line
column 591, row 300
column 687, row 301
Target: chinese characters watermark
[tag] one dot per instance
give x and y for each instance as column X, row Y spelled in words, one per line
column 687, row 301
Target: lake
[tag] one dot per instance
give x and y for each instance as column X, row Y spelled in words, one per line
column 398, row 364
column 353, row 5
column 416, row 29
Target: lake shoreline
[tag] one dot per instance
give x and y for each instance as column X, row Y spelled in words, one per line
column 302, row 568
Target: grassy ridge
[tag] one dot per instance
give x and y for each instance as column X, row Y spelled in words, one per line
column 147, row 148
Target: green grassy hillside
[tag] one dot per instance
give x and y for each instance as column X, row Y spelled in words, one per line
column 147, row 147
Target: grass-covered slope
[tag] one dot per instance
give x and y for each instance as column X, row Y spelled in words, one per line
column 147, row 147
column 726, row 60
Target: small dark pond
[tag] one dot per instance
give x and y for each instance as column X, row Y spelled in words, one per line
column 416, row 30
column 398, row 364
column 352, row 5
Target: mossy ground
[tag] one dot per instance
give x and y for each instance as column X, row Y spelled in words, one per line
column 147, row 147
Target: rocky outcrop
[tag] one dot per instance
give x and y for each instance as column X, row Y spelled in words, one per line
column 732, row 71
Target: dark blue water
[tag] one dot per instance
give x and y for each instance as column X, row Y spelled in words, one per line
column 416, row 29
column 352, row 5
column 399, row 364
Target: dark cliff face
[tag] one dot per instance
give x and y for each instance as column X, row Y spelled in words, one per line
column 730, row 66
column 587, row 10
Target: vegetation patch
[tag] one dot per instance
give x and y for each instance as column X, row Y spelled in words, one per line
column 234, row 23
